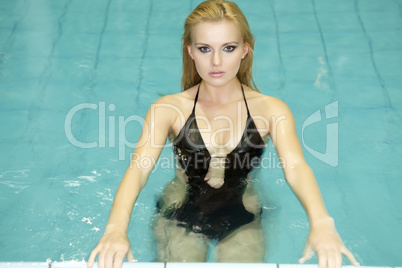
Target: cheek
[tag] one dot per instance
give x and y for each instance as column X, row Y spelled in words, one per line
column 201, row 62
column 235, row 60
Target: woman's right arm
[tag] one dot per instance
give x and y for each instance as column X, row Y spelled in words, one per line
column 114, row 244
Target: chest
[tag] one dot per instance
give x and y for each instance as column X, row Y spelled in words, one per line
column 220, row 129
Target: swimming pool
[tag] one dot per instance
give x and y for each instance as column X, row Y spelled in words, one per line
column 77, row 76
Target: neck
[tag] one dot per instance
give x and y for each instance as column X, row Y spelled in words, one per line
column 222, row 94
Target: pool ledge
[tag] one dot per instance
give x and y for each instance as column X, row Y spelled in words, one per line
column 75, row 264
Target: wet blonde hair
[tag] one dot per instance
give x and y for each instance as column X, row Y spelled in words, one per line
column 213, row 11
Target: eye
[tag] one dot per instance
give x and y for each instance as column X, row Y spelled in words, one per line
column 204, row 49
column 230, row 48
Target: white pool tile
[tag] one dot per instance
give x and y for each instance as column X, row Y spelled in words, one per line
column 316, row 266
column 144, row 265
column 125, row 265
column 68, row 264
column 75, row 264
column 219, row 265
column 298, row 266
column 24, row 265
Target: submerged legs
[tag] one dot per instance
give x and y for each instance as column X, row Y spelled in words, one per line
column 246, row 244
column 176, row 245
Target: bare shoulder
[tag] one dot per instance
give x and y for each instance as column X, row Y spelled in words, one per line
column 173, row 107
column 266, row 105
column 181, row 98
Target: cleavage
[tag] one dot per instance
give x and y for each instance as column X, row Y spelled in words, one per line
column 222, row 134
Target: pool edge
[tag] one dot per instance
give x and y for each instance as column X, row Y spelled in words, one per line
column 76, row 264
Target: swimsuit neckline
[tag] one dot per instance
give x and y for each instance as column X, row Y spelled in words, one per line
column 237, row 145
column 249, row 121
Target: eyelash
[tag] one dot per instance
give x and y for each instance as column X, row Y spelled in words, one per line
column 227, row 49
column 231, row 48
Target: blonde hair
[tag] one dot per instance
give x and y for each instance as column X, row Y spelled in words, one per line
column 212, row 11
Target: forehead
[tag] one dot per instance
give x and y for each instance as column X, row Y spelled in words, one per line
column 216, row 32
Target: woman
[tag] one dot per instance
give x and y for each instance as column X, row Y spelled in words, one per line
column 218, row 138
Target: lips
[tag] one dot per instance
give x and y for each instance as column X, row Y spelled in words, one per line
column 217, row 74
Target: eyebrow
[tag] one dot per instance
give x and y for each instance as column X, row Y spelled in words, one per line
column 229, row 43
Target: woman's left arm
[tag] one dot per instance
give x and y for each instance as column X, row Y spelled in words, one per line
column 323, row 237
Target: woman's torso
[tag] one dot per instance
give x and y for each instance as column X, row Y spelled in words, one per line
column 217, row 148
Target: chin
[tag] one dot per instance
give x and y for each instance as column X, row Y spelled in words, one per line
column 218, row 82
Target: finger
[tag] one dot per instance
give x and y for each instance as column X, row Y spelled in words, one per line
column 331, row 258
column 118, row 260
column 93, row 255
column 110, row 255
column 322, row 259
column 308, row 253
column 350, row 256
column 101, row 258
column 130, row 256
column 338, row 261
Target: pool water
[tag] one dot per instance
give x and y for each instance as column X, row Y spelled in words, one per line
column 77, row 77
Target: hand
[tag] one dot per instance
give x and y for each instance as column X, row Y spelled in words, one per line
column 112, row 248
column 325, row 240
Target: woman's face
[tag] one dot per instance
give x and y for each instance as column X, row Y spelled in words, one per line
column 217, row 49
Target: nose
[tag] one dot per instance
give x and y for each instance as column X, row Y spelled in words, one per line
column 216, row 59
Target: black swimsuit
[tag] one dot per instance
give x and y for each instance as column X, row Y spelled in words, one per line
column 215, row 212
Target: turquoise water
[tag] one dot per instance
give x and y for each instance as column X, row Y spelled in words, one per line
column 76, row 77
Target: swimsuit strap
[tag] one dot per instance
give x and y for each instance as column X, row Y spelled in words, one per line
column 196, row 98
column 244, row 96
column 242, row 90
